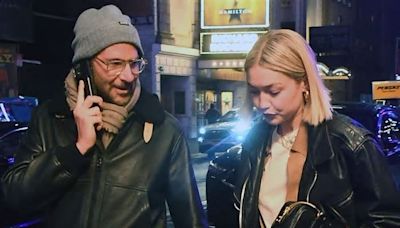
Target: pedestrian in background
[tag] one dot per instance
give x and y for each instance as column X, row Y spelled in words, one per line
column 212, row 114
column 303, row 151
column 111, row 159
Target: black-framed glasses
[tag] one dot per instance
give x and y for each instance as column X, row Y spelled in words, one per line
column 117, row 65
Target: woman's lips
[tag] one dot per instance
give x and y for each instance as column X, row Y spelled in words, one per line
column 270, row 115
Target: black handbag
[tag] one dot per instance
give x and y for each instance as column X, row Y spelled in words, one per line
column 302, row 214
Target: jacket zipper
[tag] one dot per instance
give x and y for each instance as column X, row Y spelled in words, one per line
column 294, row 205
column 99, row 162
column 348, row 198
column 92, row 219
column 312, row 186
column 241, row 202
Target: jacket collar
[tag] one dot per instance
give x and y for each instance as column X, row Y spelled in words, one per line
column 300, row 143
column 318, row 150
column 320, row 145
column 148, row 108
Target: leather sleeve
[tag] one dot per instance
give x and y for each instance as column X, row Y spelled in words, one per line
column 377, row 199
column 183, row 197
column 41, row 171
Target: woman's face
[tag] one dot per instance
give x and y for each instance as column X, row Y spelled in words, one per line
column 277, row 96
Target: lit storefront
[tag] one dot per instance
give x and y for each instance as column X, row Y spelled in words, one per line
column 228, row 31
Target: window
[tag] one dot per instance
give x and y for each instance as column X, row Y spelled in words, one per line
column 179, row 99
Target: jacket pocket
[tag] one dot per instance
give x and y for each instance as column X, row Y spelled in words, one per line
column 342, row 208
column 125, row 207
column 344, row 201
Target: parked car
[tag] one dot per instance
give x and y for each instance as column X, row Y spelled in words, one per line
column 381, row 120
column 229, row 130
column 15, row 114
column 220, row 182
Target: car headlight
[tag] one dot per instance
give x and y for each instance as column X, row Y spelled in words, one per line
column 241, row 129
column 202, row 130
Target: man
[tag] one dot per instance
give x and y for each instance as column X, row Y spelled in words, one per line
column 117, row 157
column 212, row 114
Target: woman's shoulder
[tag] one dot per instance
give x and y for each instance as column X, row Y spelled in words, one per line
column 341, row 122
column 348, row 129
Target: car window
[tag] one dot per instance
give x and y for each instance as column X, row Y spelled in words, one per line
column 229, row 116
column 9, row 143
column 5, row 113
column 17, row 109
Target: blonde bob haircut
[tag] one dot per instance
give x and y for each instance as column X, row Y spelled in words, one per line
column 287, row 52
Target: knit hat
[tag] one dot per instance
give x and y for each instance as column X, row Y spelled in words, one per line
column 96, row 29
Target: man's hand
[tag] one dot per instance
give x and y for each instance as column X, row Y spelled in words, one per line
column 88, row 119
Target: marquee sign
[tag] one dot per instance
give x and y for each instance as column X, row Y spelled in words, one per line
column 228, row 43
column 234, row 14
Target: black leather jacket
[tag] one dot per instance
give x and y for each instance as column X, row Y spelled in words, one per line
column 125, row 185
column 344, row 169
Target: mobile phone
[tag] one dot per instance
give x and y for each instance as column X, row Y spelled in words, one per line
column 83, row 71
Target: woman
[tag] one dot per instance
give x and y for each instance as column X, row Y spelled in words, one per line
column 303, row 151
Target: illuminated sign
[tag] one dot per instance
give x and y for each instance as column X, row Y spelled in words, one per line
column 323, row 69
column 228, row 43
column 341, row 71
column 234, row 14
column 6, row 58
column 221, row 64
column 385, row 90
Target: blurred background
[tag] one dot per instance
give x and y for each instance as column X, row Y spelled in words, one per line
column 196, row 48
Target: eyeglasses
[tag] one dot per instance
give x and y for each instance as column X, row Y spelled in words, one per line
column 117, row 66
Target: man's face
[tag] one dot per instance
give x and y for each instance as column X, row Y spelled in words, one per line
column 115, row 85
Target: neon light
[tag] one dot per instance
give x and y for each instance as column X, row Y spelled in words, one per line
column 232, row 42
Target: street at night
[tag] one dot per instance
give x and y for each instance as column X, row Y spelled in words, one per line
column 200, row 166
column 277, row 101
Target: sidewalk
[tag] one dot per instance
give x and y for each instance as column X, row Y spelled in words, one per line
column 194, row 150
column 193, row 146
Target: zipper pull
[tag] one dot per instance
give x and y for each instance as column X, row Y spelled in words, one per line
column 99, row 162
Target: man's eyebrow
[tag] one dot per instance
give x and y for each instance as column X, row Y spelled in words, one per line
column 118, row 59
column 115, row 59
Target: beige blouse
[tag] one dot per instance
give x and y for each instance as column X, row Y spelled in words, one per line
column 282, row 173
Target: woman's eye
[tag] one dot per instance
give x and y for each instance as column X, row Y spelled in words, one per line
column 274, row 93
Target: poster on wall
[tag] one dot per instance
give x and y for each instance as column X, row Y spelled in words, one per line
column 234, row 14
column 8, row 70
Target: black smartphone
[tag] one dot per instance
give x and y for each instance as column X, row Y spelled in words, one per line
column 83, row 71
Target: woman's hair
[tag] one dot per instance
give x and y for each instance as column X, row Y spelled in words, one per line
column 287, row 52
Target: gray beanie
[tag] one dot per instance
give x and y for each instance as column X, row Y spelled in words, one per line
column 97, row 29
